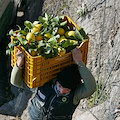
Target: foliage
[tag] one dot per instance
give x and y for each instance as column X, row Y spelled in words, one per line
column 41, row 37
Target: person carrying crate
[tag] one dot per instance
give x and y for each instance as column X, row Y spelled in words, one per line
column 58, row 98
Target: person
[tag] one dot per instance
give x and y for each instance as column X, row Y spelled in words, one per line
column 58, row 98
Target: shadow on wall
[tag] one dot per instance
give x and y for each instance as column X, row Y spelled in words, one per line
column 10, row 101
column 29, row 10
column 16, row 106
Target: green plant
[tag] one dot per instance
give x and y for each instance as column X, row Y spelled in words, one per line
column 99, row 96
column 82, row 11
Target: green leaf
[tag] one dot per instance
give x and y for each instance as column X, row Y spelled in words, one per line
column 46, row 16
column 82, row 32
column 55, row 29
column 23, row 32
column 67, row 43
column 12, row 33
column 48, row 49
column 63, row 23
column 53, row 24
column 19, row 28
column 78, row 35
column 28, row 24
column 8, row 52
column 42, row 19
column 22, row 40
column 16, row 42
column 41, row 43
column 11, row 44
column 26, row 29
column 55, row 19
column 52, row 40
column 31, row 49
column 35, row 22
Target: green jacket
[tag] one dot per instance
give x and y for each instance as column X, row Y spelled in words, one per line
column 84, row 90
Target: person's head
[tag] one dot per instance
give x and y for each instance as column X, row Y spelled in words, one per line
column 68, row 79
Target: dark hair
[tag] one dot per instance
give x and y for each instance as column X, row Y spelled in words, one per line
column 69, row 77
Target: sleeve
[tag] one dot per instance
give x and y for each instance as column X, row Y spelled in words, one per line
column 16, row 78
column 88, row 86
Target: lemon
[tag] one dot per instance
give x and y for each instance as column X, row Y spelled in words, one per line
column 74, row 41
column 68, row 34
column 34, row 30
column 47, row 35
column 61, row 52
column 61, row 39
column 39, row 37
column 61, row 31
column 38, row 26
column 30, row 37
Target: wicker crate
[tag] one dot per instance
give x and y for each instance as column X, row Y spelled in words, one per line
column 38, row 71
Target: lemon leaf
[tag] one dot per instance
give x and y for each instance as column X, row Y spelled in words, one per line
column 67, row 43
column 22, row 40
column 28, row 24
column 23, row 32
column 41, row 43
column 19, row 28
column 42, row 19
column 26, row 30
column 11, row 44
column 54, row 31
column 12, row 33
column 78, row 35
column 63, row 23
column 83, row 33
column 47, row 49
column 52, row 40
column 46, row 16
column 35, row 22
column 8, row 52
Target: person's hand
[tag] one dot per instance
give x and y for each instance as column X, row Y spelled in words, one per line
column 20, row 58
column 77, row 55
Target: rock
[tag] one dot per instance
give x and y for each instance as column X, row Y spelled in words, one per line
column 85, row 116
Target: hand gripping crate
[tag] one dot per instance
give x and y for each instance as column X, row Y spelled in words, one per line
column 38, row 71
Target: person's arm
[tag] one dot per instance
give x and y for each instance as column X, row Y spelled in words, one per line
column 16, row 74
column 88, row 86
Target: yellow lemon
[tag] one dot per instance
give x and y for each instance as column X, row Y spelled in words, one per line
column 61, row 39
column 38, row 26
column 61, row 52
column 39, row 37
column 74, row 41
column 61, row 31
column 30, row 37
column 34, row 30
column 47, row 35
column 69, row 34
